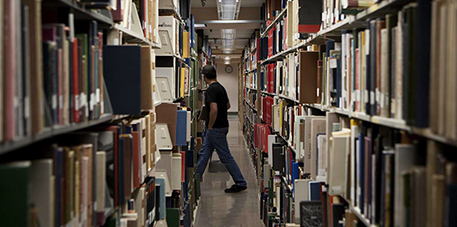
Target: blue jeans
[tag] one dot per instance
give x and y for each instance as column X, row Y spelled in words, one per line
column 217, row 139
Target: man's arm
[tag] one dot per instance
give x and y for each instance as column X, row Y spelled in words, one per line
column 228, row 105
column 212, row 115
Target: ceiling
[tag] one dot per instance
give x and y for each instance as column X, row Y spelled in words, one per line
column 249, row 13
column 212, row 3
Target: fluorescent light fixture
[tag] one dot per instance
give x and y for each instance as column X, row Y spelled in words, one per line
column 228, row 38
column 200, row 25
column 228, row 11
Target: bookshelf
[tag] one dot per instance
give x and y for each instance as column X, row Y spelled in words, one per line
column 275, row 21
column 83, row 131
column 54, row 132
column 133, row 37
column 80, row 11
column 381, row 122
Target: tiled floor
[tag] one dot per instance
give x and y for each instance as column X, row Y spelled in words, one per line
column 216, row 208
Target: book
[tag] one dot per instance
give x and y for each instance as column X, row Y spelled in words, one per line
column 317, row 129
column 309, row 19
column 42, row 185
column 307, row 79
column 450, row 184
column 9, row 68
column 123, row 83
column 15, row 193
column 404, row 160
column 338, row 160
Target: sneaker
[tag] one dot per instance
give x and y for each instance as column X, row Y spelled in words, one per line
column 235, row 188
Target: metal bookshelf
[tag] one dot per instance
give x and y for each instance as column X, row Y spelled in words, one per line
column 80, row 11
column 134, row 37
column 48, row 133
column 280, row 15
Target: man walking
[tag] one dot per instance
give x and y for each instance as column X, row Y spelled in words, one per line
column 217, row 104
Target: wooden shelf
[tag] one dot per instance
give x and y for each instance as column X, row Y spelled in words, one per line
column 6, row 147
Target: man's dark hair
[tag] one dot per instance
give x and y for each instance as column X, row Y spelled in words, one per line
column 209, row 71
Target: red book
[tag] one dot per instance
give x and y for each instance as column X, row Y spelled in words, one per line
column 118, row 14
column 75, row 81
column 9, row 64
column 136, row 159
column 269, row 111
column 265, row 138
column 271, row 34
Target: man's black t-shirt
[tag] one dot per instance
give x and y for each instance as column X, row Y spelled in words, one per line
column 217, row 93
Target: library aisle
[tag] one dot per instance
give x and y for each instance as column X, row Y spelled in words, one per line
column 217, row 208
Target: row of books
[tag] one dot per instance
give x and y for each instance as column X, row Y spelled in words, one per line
column 367, row 73
column 271, row 8
column 56, row 79
column 301, row 19
column 378, row 71
column 387, row 176
column 250, row 97
column 85, row 174
column 250, row 118
column 278, row 78
column 250, row 79
column 250, row 54
column 147, row 11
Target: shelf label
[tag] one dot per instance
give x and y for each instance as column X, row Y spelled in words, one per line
column 26, row 107
column 82, row 100
column 54, row 101
column 77, row 102
column 372, row 97
column 98, row 95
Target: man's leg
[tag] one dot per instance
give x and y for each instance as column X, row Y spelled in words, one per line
column 218, row 138
column 204, row 155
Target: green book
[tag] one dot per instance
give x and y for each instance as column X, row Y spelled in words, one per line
column 173, row 217
column 15, row 194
